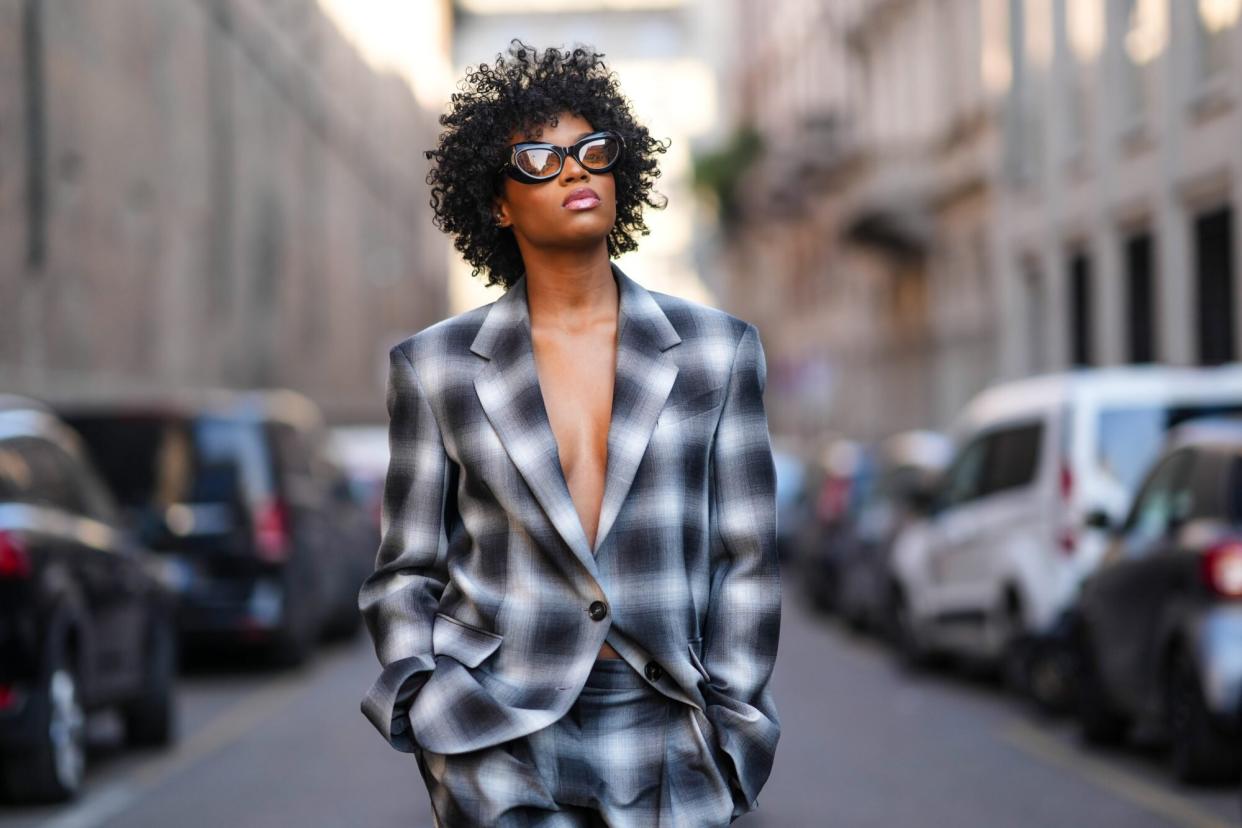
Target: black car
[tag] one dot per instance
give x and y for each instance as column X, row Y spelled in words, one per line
column 908, row 466
column 85, row 622
column 236, row 492
column 1159, row 625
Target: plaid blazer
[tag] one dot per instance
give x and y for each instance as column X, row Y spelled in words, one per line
column 487, row 604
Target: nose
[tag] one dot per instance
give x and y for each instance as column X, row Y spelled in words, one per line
column 572, row 169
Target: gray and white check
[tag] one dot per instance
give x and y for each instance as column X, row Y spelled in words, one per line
column 624, row 756
column 488, row 606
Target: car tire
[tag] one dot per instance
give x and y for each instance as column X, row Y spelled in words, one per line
column 912, row 652
column 151, row 717
column 296, row 642
column 1099, row 720
column 1200, row 753
column 1050, row 678
column 1015, row 649
column 54, row 770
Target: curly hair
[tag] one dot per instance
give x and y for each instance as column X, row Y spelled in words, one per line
column 521, row 92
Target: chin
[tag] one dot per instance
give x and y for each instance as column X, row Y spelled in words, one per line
column 580, row 236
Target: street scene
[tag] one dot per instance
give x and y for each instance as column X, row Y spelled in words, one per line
column 870, row 745
column 988, row 252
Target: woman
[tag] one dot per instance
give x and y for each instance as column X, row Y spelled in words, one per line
column 576, row 600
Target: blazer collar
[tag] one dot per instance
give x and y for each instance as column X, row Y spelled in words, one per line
column 508, row 389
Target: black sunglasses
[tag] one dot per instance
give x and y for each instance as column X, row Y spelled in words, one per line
column 534, row 161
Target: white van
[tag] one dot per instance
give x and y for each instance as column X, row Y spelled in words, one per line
column 1040, row 468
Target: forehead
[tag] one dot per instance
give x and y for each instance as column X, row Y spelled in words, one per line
column 569, row 128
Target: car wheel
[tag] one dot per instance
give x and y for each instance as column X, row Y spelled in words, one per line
column 914, row 654
column 1200, row 753
column 295, row 643
column 1014, row 648
column 54, row 771
column 150, row 718
column 1050, row 678
column 1100, row 722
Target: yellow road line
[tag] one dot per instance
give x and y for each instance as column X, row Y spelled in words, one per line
column 1136, row 790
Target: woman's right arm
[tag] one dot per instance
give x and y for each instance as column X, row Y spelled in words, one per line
column 399, row 599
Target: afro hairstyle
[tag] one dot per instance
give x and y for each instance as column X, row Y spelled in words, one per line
column 521, row 92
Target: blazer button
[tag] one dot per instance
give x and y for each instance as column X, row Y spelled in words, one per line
column 653, row 671
column 598, row 610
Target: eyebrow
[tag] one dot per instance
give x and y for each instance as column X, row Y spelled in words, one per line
column 577, row 138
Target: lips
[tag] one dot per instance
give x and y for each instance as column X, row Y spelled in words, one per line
column 583, row 198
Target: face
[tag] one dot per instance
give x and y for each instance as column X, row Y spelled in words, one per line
column 547, row 214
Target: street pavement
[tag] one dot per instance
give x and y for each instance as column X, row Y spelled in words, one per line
column 863, row 744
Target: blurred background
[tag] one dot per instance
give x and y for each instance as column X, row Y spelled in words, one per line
column 992, row 249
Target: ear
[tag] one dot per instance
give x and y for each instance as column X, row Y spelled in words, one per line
column 500, row 211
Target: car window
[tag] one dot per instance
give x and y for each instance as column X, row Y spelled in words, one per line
column 1014, row 457
column 1162, row 500
column 292, row 449
column 1205, row 486
column 964, row 480
column 15, row 472
column 1234, row 489
column 35, row 470
column 1129, row 438
column 97, row 501
column 150, row 461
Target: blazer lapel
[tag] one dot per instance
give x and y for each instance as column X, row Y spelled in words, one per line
column 508, row 389
column 644, row 378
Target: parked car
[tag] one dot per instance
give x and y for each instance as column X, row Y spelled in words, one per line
column 991, row 570
column 236, row 492
column 1159, row 625
column 85, row 621
column 362, row 452
column 907, row 467
column 791, row 498
column 357, row 530
column 840, row 487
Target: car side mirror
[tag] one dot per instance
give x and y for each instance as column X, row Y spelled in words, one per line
column 922, row 500
column 1099, row 519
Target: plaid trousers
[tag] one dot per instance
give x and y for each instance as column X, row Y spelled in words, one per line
column 623, row 756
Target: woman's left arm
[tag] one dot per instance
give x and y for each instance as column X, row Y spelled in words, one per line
column 744, row 607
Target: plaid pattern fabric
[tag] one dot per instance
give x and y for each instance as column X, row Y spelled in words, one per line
column 624, row 756
column 488, row 606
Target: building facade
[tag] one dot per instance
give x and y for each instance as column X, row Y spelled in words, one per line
column 212, row 192
column 1118, row 228
column 865, row 225
column 953, row 192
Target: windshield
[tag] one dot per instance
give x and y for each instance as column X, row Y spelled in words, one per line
column 156, row 460
column 1130, row 438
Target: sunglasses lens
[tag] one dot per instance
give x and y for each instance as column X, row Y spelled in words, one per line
column 599, row 153
column 539, row 163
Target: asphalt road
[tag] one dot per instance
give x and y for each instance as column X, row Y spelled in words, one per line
column 863, row 744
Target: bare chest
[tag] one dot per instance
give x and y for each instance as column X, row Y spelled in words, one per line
column 576, row 380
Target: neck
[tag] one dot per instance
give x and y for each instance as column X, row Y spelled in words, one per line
column 570, row 290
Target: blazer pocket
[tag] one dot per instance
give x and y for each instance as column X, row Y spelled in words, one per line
column 699, row 404
column 461, row 641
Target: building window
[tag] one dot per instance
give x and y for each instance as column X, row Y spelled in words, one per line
column 1080, row 308
column 36, row 135
column 1084, row 23
column 1145, row 33
column 1215, row 279
column 1036, row 318
column 1140, row 304
column 1214, row 23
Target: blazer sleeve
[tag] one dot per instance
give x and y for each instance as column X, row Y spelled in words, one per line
column 744, row 607
column 399, row 598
